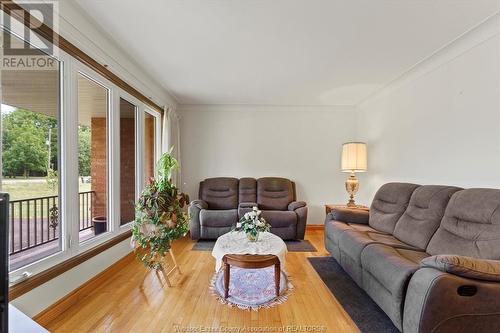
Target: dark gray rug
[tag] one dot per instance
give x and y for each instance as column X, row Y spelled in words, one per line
column 292, row 246
column 363, row 311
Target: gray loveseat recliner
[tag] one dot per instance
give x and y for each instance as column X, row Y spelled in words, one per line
column 427, row 255
column 222, row 202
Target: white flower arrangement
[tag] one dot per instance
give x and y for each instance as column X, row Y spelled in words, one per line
column 252, row 223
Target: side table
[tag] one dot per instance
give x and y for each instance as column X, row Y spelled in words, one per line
column 329, row 207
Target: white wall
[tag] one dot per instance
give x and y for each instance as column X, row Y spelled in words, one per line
column 440, row 122
column 300, row 143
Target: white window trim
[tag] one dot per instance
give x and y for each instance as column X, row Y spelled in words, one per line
column 68, row 167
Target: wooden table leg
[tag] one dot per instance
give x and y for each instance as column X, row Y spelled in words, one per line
column 227, row 270
column 277, row 277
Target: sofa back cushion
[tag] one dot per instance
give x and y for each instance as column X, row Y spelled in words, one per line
column 423, row 215
column 274, row 193
column 248, row 190
column 220, row 193
column 470, row 226
column 389, row 204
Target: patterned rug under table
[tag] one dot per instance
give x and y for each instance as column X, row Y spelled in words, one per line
column 251, row 288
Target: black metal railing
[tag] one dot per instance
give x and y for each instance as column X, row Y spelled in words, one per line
column 35, row 221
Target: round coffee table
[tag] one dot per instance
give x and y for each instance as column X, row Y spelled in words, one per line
column 237, row 243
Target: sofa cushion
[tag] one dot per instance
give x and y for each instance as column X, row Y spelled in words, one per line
column 280, row 219
column 247, row 190
column 386, row 273
column 333, row 229
column 274, row 193
column 351, row 245
column 423, row 215
column 220, row 193
column 389, row 204
column 218, row 218
column 470, row 226
column 391, row 266
column 352, row 242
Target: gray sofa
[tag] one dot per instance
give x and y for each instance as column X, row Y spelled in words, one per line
column 427, row 255
column 222, row 201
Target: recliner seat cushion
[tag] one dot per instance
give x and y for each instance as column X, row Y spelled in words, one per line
column 220, row 193
column 389, row 204
column 352, row 243
column 470, row 226
column 386, row 274
column 423, row 215
column 333, row 230
column 274, row 193
column 218, row 218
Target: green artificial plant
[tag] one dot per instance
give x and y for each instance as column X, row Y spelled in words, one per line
column 160, row 215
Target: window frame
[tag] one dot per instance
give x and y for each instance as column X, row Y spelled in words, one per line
column 157, row 139
column 81, row 69
column 138, row 164
column 70, row 68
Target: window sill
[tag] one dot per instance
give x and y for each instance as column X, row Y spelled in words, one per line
column 38, row 279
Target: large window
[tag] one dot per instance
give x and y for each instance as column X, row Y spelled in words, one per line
column 93, row 102
column 75, row 150
column 128, row 113
column 30, row 159
column 149, row 145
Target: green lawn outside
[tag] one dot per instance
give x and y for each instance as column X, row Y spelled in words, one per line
column 34, row 188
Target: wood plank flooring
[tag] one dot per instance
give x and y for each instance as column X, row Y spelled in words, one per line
column 136, row 300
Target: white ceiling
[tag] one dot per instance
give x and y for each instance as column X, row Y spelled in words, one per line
column 282, row 52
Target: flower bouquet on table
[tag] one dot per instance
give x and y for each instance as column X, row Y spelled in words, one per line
column 160, row 216
column 252, row 223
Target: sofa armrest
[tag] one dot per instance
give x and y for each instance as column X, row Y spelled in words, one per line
column 438, row 301
column 296, row 205
column 200, row 204
column 349, row 215
column 467, row 267
column 195, row 207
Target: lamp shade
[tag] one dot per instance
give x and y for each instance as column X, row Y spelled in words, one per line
column 354, row 157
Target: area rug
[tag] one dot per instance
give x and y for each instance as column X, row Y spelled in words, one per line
column 251, row 289
column 292, row 246
column 363, row 310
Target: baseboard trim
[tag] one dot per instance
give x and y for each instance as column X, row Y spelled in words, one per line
column 315, row 226
column 53, row 311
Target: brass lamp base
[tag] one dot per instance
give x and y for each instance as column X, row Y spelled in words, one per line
column 352, row 186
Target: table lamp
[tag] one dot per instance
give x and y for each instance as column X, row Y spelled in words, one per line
column 354, row 159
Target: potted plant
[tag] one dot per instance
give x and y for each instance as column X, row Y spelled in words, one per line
column 252, row 223
column 160, row 216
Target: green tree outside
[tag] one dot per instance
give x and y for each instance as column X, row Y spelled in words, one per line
column 25, row 146
column 84, row 149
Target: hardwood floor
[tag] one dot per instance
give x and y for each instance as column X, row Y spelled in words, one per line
column 136, row 300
